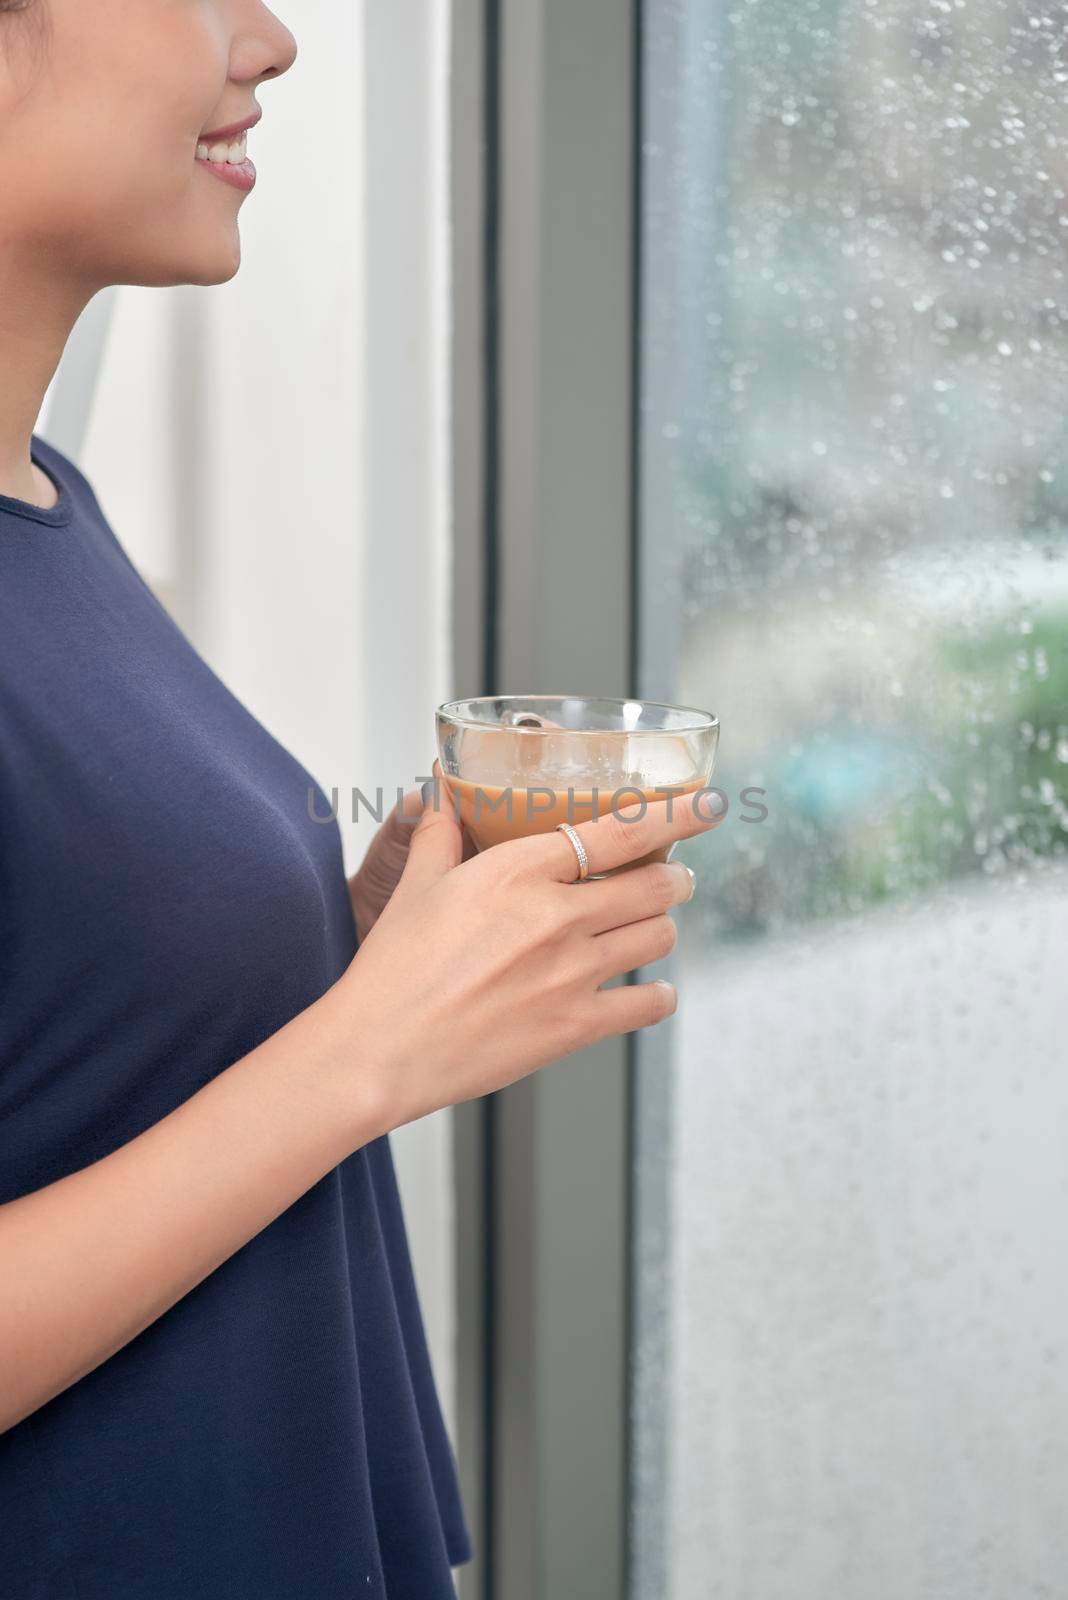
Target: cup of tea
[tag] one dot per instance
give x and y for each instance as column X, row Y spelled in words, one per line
column 514, row 765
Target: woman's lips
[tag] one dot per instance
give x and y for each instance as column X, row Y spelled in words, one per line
column 239, row 175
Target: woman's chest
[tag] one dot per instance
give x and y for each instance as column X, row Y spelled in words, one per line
column 153, row 829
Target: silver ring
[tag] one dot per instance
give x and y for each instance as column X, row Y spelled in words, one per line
column 580, row 851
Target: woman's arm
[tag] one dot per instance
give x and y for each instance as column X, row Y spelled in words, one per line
column 89, row 1261
column 468, row 981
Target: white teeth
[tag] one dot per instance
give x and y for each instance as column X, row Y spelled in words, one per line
column 234, row 153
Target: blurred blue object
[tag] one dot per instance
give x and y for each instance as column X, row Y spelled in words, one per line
column 846, row 776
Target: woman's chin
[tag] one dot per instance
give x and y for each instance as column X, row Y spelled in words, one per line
column 223, row 268
column 217, row 262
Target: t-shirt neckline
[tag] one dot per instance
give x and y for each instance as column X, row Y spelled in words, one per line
column 52, row 516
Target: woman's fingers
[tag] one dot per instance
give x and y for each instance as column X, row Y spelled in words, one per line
column 629, row 832
column 629, row 896
column 631, row 1005
column 637, row 945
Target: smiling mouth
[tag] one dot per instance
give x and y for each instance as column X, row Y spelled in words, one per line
column 231, row 152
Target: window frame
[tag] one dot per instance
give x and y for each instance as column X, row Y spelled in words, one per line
column 544, row 260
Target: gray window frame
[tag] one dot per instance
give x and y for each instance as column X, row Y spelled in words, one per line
column 544, row 150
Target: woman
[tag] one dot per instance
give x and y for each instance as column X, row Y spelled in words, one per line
column 213, row 1374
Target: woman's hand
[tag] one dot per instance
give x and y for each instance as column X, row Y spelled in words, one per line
column 372, row 885
column 478, row 971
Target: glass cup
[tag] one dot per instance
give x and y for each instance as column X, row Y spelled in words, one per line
column 513, row 765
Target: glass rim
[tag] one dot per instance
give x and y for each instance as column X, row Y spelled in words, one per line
column 708, row 719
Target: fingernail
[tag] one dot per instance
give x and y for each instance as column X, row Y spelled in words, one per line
column 710, row 804
column 664, row 984
column 680, row 867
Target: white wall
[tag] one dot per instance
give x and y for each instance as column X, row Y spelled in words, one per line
column 273, row 454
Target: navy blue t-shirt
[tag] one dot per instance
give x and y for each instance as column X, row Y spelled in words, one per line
column 166, row 904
